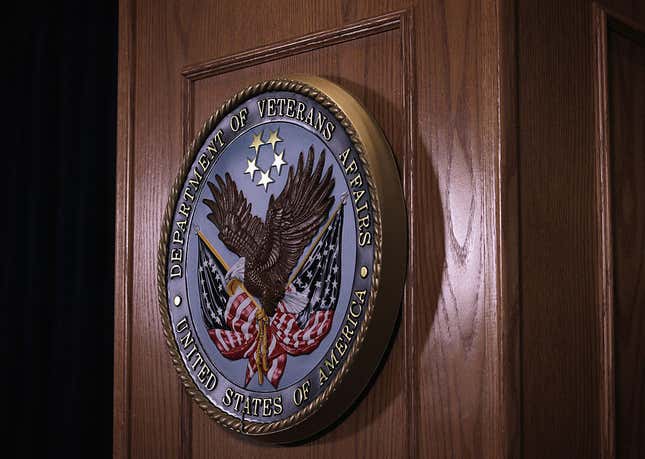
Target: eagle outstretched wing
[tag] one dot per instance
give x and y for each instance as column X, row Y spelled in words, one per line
column 239, row 229
column 294, row 218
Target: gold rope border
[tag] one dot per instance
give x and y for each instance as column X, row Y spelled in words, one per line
column 215, row 413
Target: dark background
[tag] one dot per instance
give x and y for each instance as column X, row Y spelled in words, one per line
column 58, row 239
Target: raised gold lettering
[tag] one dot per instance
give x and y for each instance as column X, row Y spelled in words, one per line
column 228, row 397
column 277, row 405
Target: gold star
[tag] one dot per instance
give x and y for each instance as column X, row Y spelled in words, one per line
column 273, row 138
column 278, row 162
column 265, row 179
column 257, row 142
column 252, row 167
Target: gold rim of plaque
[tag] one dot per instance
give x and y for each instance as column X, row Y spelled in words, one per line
column 389, row 266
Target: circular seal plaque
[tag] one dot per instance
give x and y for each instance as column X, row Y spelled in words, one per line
column 282, row 258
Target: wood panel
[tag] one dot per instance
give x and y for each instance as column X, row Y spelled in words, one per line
column 559, row 335
column 626, row 115
column 432, row 78
column 123, row 234
column 619, row 43
column 463, row 367
column 566, row 357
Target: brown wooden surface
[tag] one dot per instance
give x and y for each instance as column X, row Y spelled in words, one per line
column 432, row 80
column 566, row 350
column 626, row 113
column 123, row 233
column 559, row 357
column 518, row 127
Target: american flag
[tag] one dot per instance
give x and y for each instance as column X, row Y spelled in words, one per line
column 232, row 321
column 212, row 294
column 319, row 277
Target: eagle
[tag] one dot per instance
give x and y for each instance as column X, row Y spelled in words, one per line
column 269, row 250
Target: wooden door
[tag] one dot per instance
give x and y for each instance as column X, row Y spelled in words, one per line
column 506, row 342
column 581, row 175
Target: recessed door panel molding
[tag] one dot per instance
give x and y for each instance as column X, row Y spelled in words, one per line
column 619, row 45
column 341, row 52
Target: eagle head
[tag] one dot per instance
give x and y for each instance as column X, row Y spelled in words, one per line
column 236, row 272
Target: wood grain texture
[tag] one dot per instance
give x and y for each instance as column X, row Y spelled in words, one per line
column 123, row 234
column 509, row 250
column 559, row 355
column 605, row 295
column 460, row 359
column 566, row 359
column 626, row 114
column 430, row 74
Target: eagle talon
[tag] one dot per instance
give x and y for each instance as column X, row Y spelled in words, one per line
column 261, row 354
